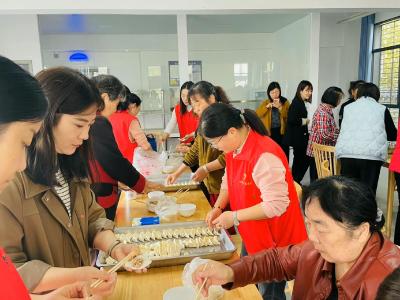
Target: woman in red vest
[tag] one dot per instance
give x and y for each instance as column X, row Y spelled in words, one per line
column 184, row 117
column 257, row 184
column 126, row 126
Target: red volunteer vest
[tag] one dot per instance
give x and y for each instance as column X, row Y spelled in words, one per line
column 120, row 121
column 187, row 123
column 259, row 235
column 100, row 176
column 11, row 285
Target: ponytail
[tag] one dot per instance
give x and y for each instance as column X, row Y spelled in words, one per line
column 206, row 89
column 254, row 122
column 219, row 117
column 220, row 95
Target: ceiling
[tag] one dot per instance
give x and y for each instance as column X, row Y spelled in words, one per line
column 164, row 24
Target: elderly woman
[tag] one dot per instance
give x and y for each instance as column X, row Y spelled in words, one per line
column 346, row 256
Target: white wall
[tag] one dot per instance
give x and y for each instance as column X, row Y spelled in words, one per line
column 383, row 16
column 339, row 53
column 19, row 39
column 292, row 55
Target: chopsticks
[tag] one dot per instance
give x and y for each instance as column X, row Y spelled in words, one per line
column 115, row 268
column 204, row 282
column 182, row 193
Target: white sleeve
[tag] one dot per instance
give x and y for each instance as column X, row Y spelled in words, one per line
column 172, row 124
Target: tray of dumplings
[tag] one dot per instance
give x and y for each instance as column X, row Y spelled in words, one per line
column 183, row 182
column 174, row 244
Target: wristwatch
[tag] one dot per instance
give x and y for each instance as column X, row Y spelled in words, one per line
column 235, row 219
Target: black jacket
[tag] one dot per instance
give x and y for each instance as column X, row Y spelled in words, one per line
column 296, row 133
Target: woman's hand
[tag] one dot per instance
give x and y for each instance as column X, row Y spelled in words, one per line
column 199, row 175
column 225, row 220
column 122, row 250
column 77, row 290
column 269, row 105
column 182, row 148
column 151, row 186
column 171, row 178
column 187, row 137
column 212, row 215
column 91, row 274
column 215, row 273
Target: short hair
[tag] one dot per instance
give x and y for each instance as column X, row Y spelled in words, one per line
column 111, row 85
column 354, row 85
column 368, row 89
column 390, row 287
column 332, row 96
column 345, row 200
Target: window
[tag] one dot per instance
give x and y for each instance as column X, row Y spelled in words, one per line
column 386, row 69
column 241, row 74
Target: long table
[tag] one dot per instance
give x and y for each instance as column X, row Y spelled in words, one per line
column 153, row 284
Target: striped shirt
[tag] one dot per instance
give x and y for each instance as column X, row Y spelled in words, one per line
column 63, row 191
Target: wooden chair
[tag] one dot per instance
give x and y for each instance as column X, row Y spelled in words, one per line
column 325, row 160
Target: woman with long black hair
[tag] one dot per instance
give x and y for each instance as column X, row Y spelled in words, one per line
column 297, row 129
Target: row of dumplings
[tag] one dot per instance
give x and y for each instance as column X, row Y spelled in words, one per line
column 156, row 235
column 171, row 248
column 184, row 183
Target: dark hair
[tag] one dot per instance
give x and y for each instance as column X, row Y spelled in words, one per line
column 354, row 85
column 21, row 99
column 111, row 85
column 205, row 89
column 219, row 117
column 130, row 98
column 345, row 200
column 332, row 96
column 302, row 85
column 368, row 89
column 390, row 287
column 186, row 86
column 275, row 85
column 68, row 92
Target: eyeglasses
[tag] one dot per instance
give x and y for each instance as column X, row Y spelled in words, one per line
column 215, row 144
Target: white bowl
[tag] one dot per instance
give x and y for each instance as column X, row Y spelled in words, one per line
column 187, row 209
column 156, row 194
column 180, row 293
column 168, row 169
column 151, row 203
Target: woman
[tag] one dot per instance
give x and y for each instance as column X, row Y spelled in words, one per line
column 184, row 117
column 352, row 97
column 362, row 143
column 346, row 256
column 50, row 209
column 23, row 107
column 257, row 185
column 110, row 166
column 297, row 129
column 126, row 126
column 323, row 127
column 273, row 112
column 210, row 160
column 395, row 168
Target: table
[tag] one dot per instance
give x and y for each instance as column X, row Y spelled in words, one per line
column 153, row 284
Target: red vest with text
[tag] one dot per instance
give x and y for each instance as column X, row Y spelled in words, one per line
column 11, row 285
column 263, row 234
column 187, row 123
column 120, row 121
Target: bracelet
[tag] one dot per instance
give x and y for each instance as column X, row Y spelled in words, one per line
column 205, row 168
column 113, row 245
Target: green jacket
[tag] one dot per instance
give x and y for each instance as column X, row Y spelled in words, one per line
column 201, row 153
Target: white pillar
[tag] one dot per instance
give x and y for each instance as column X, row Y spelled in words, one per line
column 19, row 39
column 315, row 24
column 183, row 55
